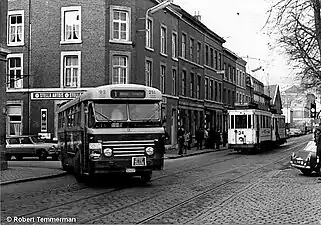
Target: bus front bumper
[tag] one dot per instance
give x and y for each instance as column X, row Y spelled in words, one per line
column 125, row 166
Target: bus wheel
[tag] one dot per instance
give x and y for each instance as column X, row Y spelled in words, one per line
column 77, row 171
column 146, row 177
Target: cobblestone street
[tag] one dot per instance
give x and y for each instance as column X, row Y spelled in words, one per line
column 215, row 188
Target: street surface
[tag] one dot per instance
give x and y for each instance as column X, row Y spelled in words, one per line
column 222, row 187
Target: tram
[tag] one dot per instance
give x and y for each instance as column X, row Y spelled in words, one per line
column 253, row 129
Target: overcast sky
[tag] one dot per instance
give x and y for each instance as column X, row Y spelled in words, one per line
column 240, row 23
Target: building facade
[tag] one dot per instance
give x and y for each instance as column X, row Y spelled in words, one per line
column 76, row 45
column 3, row 63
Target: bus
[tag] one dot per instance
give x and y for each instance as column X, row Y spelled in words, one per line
column 112, row 129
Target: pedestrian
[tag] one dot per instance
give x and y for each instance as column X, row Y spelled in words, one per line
column 199, row 138
column 206, row 137
column 317, row 139
column 186, row 141
column 180, row 137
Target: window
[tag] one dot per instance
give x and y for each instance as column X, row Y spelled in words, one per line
column 220, row 92
column 211, row 90
column 228, row 96
column 206, row 55
column 184, row 83
column 120, row 24
column 198, row 53
column 191, row 87
column 234, row 76
column 174, row 81
column 212, row 57
column 15, row 68
column 70, row 65
column 162, row 79
column 241, row 121
column 174, row 45
column 184, row 45
column 119, row 69
column 206, row 88
column 71, row 24
column 198, row 87
column 149, row 33
column 14, row 120
column 163, row 40
column 148, row 73
column 220, row 60
column 216, row 62
column 15, row 27
column 230, row 72
column 232, row 122
column 215, row 96
column 191, row 49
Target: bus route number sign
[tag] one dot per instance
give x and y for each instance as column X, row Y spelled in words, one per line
column 128, row 94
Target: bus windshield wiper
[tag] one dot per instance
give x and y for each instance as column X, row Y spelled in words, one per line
column 104, row 116
column 149, row 119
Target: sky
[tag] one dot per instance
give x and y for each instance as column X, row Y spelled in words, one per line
column 240, row 23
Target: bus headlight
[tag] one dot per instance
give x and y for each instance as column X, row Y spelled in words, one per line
column 149, row 150
column 108, row 152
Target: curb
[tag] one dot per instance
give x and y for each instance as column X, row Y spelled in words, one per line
column 33, row 178
column 194, row 153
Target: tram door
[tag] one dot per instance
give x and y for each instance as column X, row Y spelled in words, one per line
column 257, row 129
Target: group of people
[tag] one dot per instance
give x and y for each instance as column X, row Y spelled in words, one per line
column 208, row 137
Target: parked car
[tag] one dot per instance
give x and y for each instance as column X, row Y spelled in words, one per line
column 305, row 159
column 30, row 146
column 295, row 132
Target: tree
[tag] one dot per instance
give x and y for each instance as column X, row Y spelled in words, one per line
column 296, row 25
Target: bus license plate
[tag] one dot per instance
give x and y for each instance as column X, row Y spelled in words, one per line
column 130, row 170
column 139, row 161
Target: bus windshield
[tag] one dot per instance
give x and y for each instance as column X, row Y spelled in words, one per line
column 111, row 112
column 136, row 112
column 144, row 111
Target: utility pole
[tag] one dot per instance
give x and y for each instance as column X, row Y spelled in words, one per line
column 3, row 63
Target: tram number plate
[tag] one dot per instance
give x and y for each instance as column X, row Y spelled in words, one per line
column 138, row 161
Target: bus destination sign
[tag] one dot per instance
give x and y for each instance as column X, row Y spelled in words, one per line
column 128, row 94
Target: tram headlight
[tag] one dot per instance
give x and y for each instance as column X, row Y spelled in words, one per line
column 149, row 150
column 108, row 152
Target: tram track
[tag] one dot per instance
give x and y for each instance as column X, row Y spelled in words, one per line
column 103, row 192
column 150, row 218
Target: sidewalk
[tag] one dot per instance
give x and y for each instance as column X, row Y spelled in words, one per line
column 24, row 174
column 28, row 172
column 172, row 152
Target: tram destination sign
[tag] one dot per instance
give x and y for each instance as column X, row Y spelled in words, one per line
column 128, row 94
column 54, row 95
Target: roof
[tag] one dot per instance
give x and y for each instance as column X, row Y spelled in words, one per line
column 293, row 89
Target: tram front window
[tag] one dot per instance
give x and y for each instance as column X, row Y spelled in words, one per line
column 240, row 121
column 144, row 111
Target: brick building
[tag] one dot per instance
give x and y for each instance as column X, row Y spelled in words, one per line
column 3, row 55
column 76, row 44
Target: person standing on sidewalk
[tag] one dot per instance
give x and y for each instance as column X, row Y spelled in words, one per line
column 180, row 137
column 199, row 138
column 317, row 139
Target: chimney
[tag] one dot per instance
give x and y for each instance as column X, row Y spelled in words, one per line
column 197, row 15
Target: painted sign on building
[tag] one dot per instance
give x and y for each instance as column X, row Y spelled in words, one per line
column 54, row 95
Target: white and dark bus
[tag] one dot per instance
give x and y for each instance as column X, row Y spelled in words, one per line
column 112, row 129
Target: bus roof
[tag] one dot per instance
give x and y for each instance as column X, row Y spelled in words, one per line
column 117, row 92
